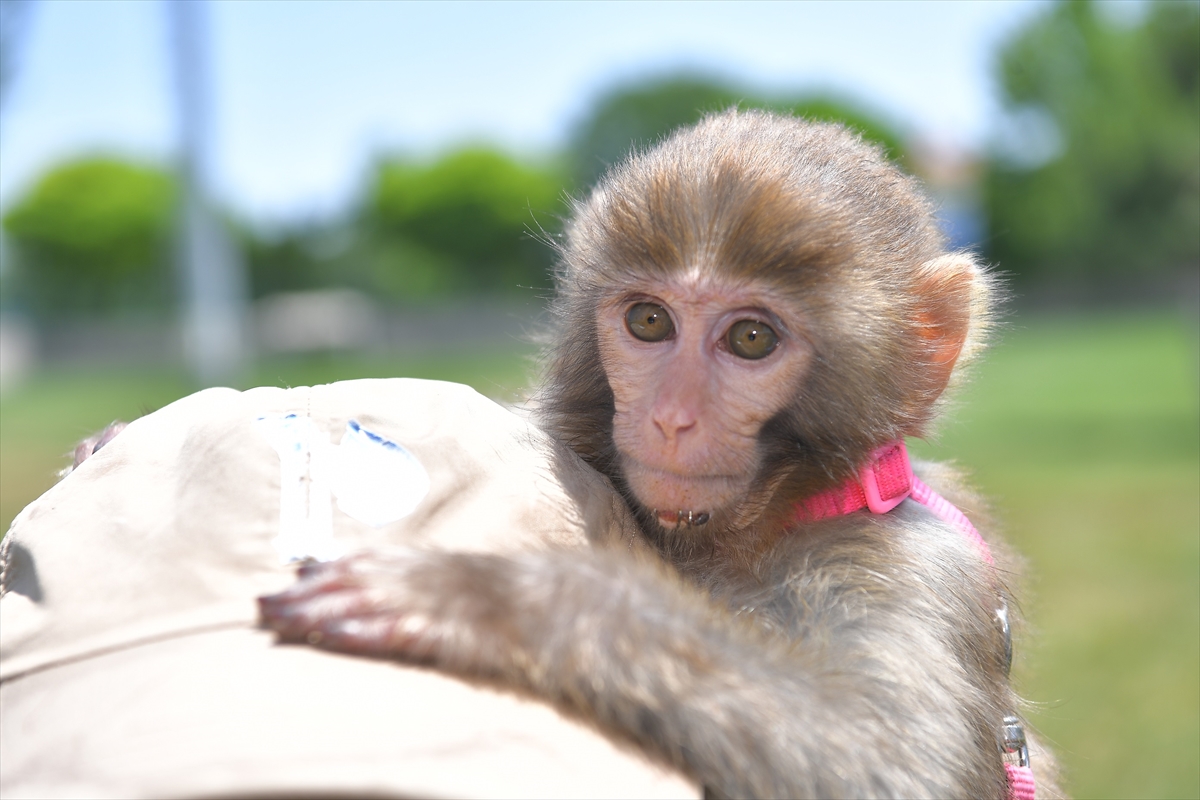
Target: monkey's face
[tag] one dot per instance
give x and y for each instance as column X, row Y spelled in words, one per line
column 697, row 365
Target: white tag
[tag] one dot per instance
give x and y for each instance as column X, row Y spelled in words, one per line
column 375, row 481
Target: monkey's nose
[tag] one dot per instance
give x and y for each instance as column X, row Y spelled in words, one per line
column 673, row 420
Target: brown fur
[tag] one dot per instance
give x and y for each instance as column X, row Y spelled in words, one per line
column 853, row 657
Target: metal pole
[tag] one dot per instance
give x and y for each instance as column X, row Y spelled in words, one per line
column 212, row 275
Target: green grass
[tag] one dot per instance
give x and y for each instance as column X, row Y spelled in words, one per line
column 1084, row 431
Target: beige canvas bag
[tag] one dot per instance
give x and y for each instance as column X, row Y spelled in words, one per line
column 130, row 661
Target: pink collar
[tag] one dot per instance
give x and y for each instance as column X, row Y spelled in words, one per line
column 883, row 483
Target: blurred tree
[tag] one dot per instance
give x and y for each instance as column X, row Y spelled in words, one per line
column 636, row 116
column 1098, row 172
column 93, row 235
column 464, row 223
column 286, row 260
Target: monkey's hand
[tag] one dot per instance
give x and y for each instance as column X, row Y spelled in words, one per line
column 452, row 609
column 617, row 638
column 92, row 444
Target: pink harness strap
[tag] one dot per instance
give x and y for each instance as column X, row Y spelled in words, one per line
column 1020, row 782
column 946, row 511
column 884, row 483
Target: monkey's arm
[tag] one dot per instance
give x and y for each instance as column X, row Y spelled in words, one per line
column 865, row 703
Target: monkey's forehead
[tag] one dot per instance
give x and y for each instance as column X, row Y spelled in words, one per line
column 756, row 193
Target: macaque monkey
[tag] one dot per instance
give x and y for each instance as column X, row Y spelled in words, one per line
column 750, row 317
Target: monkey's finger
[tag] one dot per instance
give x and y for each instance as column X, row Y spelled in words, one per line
column 108, row 434
column 363, row 565
column 409, row 636
column 293, row 616
column 317, row 579
column 318, row 570
column 91, row 445
column 312, row 584
column 83, row 451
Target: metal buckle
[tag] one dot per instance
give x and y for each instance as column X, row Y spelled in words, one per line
column 1012, row 744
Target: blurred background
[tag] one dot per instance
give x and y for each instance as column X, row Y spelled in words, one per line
column 198, row 193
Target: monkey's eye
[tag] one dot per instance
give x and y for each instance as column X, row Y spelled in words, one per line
column 749, row 338
column 649, row 322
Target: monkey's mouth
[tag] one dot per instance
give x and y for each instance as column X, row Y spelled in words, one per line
column 681, row 519
column 679, row 501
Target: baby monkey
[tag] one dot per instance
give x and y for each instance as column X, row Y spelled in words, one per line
column 750, row 318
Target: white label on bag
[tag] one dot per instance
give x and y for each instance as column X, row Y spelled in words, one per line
column 375, row 481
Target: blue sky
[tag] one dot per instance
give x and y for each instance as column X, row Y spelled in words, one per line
column 305, row 93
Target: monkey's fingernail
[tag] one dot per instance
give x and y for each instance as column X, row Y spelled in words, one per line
column 314, row 637
column 273, row 603
column 277, row 612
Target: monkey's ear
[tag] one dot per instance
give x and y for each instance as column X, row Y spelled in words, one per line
column 945, row 291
